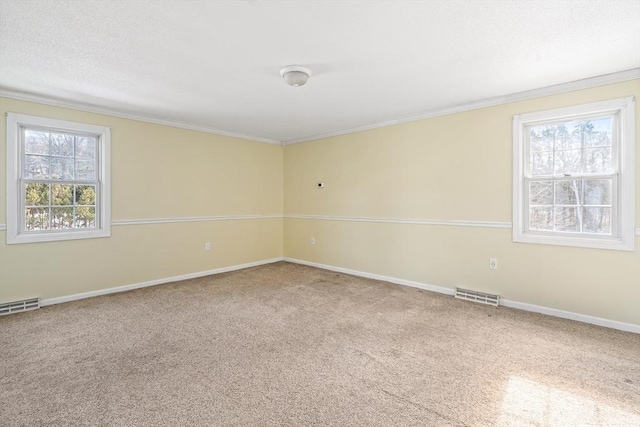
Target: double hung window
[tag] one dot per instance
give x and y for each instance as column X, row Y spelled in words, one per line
column 574, row 176
column 57, row 180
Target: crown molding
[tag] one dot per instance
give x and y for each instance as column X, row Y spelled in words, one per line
column 605, row 79
column 40, row 99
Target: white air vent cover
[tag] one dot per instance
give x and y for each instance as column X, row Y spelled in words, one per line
column 477, row 296
column 18, row 306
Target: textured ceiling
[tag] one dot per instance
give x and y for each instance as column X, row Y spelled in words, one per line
column 216, row 64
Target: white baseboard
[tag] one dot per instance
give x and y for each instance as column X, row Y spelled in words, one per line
column 74, row 297
column 627, row 327
column 599, row 321
column 426, row 287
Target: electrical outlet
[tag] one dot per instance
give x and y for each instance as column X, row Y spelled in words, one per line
column 313, row 240
column 207, row 246
column 493, row 264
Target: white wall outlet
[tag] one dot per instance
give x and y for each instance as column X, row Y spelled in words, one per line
column 320, row 184
column 313, row 240
column 207, row 246
column 493, row 264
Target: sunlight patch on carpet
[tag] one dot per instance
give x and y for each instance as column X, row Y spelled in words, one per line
column 528, row 402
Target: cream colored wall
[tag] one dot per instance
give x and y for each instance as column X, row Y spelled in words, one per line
column 156, row 172
column 455, row 167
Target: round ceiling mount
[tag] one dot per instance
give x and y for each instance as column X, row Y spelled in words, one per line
column 295, row 75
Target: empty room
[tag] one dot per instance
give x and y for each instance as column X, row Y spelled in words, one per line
column 320, row 213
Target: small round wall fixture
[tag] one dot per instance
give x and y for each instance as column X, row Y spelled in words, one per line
column 295, row 75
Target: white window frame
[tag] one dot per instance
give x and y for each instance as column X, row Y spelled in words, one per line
column 623, row 164
column 15, row 199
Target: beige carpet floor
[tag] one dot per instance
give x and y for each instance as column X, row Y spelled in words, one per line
column 290, row 345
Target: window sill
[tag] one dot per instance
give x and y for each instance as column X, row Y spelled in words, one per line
column 620, row 244
column 56, row 236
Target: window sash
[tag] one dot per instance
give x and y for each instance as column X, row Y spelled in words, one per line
column 613, row 176
column 23, row 206
column 615, row 143
column 23, row 181
column 97, row 161
column 615, row 223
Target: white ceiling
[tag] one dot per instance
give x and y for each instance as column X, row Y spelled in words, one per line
column 216, row 65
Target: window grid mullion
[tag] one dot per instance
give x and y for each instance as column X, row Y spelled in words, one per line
column 60, row 181
column 570, row 177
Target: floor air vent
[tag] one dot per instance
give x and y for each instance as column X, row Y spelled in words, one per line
column 18, row 306
column 477, row 296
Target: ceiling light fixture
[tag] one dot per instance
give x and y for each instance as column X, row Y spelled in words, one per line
column 295, row 75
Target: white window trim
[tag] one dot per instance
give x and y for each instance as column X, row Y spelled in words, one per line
column 625, row 236
column 15, row 122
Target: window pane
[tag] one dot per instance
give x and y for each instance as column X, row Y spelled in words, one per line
column 62, row 194
column 567, row 219
column 598, row 160
column 541, row 192
column 542, row 163
column 36, row 167
column 61, row 218
column 597, row 220
column 566, row 137
column 597, row 191
column 85, row 217
column 600, row 133
column 577, row 135
column 61, row 144
column 584, row 133
column 541, row 218
column 86, row 195
column 86, row 146
column 36, row 219
column 568, row 161
column 61, row 168
column 541, row 138
column 37, row 194
column 85, row 169
column 36, row 142
column 568, row 192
